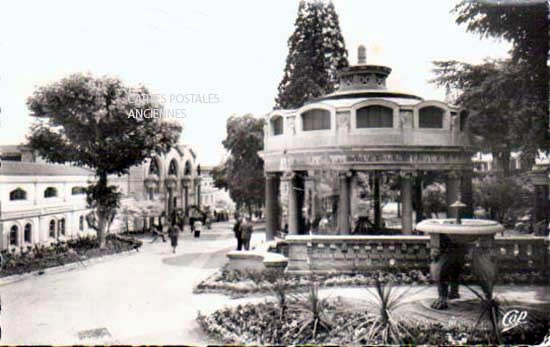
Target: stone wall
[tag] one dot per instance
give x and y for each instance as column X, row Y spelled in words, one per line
column 350, row 254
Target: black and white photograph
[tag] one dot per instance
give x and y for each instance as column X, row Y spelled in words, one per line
column 275, row 172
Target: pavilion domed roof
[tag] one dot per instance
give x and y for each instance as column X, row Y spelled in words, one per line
column 364, row 81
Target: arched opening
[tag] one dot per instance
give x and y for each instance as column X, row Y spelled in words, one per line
column 28, row 233
column 50, row 192
column 277, row 125
column 374, row 116
column 61, row 227
column 52, row 229
column 430, row 117
column 14, row 233
column 188, row 169
column 316, row 119
column 18, row 194
column 81, row 223
column 154, row 168
column 463, row 120
column 173, row 168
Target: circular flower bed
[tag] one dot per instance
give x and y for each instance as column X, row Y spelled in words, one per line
column 237, row 283
column 262, row 324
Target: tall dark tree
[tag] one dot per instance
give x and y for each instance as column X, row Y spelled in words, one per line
column 316, row 50
column 243, row 172
column 92, row 122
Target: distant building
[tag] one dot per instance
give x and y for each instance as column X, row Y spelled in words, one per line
column 485, row 163
column 211, row 196
column 41, row 202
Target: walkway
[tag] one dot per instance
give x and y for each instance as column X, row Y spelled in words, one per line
column 142, row 298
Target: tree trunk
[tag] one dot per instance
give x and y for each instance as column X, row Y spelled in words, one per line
column 502, row 161
column 102, row 214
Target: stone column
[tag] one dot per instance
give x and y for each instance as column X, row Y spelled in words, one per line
column 418, row 197
column 377, row 210
column 199, row 195
column 294, row 210
column 344, row 204
column 406, row 204
column 271, row 204
column 452, row 187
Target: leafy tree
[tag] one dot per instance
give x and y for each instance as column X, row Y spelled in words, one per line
column 504, row 119
column 502, row 197
column 92, row 122
column 434, row 200
column 316, row 51
column 243, row 172
column 525, row 24
column 519, row 87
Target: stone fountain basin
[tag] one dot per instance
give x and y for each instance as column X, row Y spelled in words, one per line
column 469, row 230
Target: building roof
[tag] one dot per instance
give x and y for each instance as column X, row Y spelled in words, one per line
column 12, row 148
column 40, row 169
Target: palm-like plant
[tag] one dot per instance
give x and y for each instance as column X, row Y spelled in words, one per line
column 380, row 323
column 279, row 288
column 490, row 308
column 312, row 311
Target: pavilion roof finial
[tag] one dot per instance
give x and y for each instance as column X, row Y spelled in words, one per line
column 361, row 55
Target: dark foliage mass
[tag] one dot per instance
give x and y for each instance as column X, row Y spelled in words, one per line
column 243, row 171
column 316, row 50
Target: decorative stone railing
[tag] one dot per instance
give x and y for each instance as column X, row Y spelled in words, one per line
column 349, row 254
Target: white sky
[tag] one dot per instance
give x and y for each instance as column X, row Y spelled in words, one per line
column 233, row 49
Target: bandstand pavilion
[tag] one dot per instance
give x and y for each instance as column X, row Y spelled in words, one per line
column 362, row 128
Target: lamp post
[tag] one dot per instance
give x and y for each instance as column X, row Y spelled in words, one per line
column 198, row 189
column 151, row 183
column 171, row 182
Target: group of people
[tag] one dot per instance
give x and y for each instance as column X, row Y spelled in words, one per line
column 173, row 230
column 243, row 232
column 173, row 233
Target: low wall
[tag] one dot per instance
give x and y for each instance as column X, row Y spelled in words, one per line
column 350, row 254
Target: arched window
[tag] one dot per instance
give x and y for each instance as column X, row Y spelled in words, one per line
column 188, row 169
column 173, row 168
column 14, row 231
column 61, row 227
column 28, row 233
column 18, row 194
column 375, row 117
column 277, row 125
column 81, row 223
column 50, row 192
column 78, row 190
column 430, row 117
column 52, row 228
column 463, row 120
column 316, row 119
column 154, row 167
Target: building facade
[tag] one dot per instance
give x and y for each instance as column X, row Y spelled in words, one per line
column 42, row 203
column 213, row 198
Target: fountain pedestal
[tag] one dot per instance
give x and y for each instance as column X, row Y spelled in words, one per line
column 450, row 240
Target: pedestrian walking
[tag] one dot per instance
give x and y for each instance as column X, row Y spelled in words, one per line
column 246, row 233
column 197, row 226
column 157, row 232
column 174, row 233
column 237, row 231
